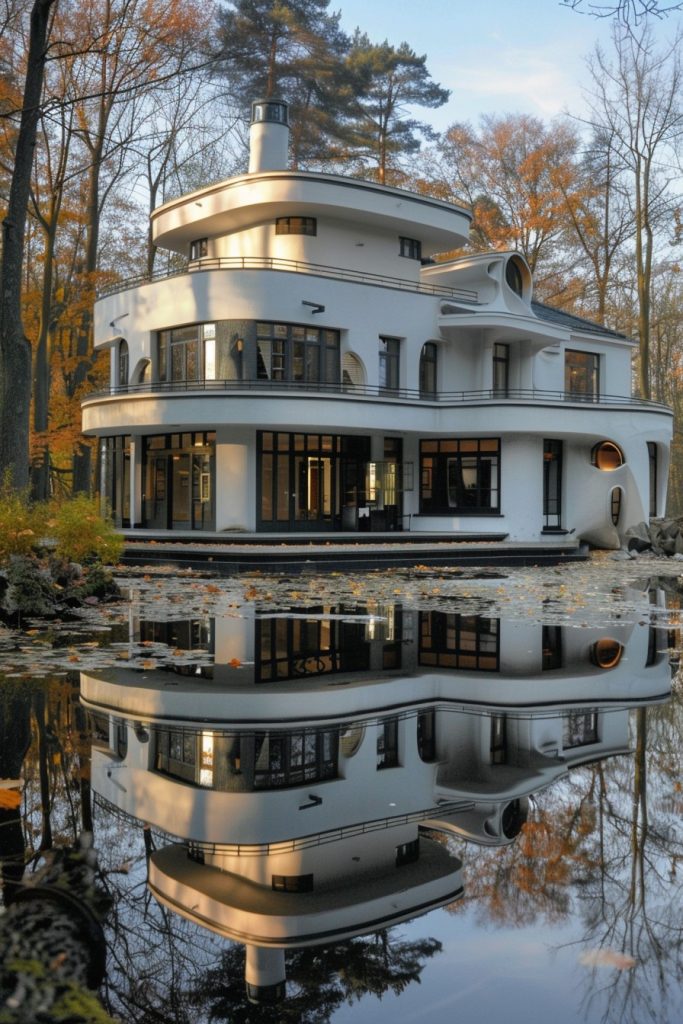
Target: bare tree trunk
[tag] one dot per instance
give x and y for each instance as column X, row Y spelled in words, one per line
column 15, row 350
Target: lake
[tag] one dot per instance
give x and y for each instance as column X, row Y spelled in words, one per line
column 377, row 797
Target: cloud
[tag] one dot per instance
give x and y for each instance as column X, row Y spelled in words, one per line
column 516, row 79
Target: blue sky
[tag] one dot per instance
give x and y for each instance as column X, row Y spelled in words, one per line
column 496, row 56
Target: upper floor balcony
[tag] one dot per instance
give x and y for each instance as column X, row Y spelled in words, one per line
column 274, row 263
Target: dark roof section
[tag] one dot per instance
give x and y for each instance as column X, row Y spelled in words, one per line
column 574, row 323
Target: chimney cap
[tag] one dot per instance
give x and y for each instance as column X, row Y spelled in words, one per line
column 272, row 111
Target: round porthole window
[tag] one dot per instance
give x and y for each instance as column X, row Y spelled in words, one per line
column 606, row 653
column 513, row 276
column 607, row 455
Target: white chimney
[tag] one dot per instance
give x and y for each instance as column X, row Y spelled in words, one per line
column 268, row 136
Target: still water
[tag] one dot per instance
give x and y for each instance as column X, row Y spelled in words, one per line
column 372, row 809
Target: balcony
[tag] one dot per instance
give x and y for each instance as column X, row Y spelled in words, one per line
column 238, row 263
column 524, row 396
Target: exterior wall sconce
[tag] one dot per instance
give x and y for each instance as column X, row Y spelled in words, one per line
column 239, row 345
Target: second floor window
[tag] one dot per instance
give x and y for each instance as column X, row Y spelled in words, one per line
column 187, row 353
column 428, row 370
column 501, row 368
column 293, row 352
column 296, row 226
column 389, row 352
column 582, row 375
column 411, row 248
column 199, row 248
column 123, row 363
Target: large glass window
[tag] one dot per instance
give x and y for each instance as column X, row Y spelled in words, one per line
column 582, row 375
column 389, row 354
column 448, row 640
column 460, row 475
column 187, row 353
column 295, row 352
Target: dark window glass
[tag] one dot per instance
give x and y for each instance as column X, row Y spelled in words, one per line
column 582, row 375
column 199, row 248
column 387, row 744
column 408, row 853
column 410, row 248
column 552, row 647
column 513, row 276
column 501, row 368
column 296, row 226
column 389, row 353
column 295, row 353
column 652, row 458
column 463, row 475
column 498, row 739
column 552, row 484
column 123, row 363
column 292, row 883
column 615, row 505
column 448, row 640
column 579, row 728
column 426, row 735
column 428, row 370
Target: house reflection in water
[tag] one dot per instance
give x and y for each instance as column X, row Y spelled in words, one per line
column 304, row 792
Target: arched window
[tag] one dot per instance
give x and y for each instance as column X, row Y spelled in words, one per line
column 513, row 276
column 123, row 363
column 607, row 455
column 606, row 653
column 352, row 371
column 428, row 370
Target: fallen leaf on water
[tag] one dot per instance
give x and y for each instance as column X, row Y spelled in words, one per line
column 607, row 958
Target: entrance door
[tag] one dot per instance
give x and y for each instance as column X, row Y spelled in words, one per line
column 552, row 484
column 299, row 481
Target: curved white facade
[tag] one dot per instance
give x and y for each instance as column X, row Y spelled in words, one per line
column 312, row 369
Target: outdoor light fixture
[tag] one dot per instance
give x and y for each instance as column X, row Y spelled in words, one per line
column 315, row 306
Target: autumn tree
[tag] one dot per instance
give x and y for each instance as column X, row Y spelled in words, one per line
column 518, row 175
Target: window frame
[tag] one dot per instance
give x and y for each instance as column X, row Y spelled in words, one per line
column 429, row 357
column 410, row 248
column 199, row 248
column 298, row 225
column 439, row 462
column 586, row 386
column 389, row 363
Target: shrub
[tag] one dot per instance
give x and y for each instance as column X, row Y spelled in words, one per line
column 81, row 533
column 22, row 525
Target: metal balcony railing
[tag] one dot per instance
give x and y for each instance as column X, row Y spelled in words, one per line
column 237, row 263
column 367, row 392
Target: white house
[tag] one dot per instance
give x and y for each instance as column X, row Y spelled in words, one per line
column 312, row 368
column 305, row 797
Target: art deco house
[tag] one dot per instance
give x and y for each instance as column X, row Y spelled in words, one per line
column 295, row 800
column 308, row 365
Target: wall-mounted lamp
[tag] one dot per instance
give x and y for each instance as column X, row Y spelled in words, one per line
column 142, row 735
column 315, row 306
column 239, row 344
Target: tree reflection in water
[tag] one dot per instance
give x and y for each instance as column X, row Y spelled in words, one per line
column 590, row 848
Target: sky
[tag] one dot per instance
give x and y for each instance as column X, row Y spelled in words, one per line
column 496, row 56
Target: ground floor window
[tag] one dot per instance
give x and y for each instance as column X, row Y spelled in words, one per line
column 460, row 475
column 448, row 640
column 115, row 477
column 295, row 648
column 652, row 462
column 178, row 473
column 552, row 484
